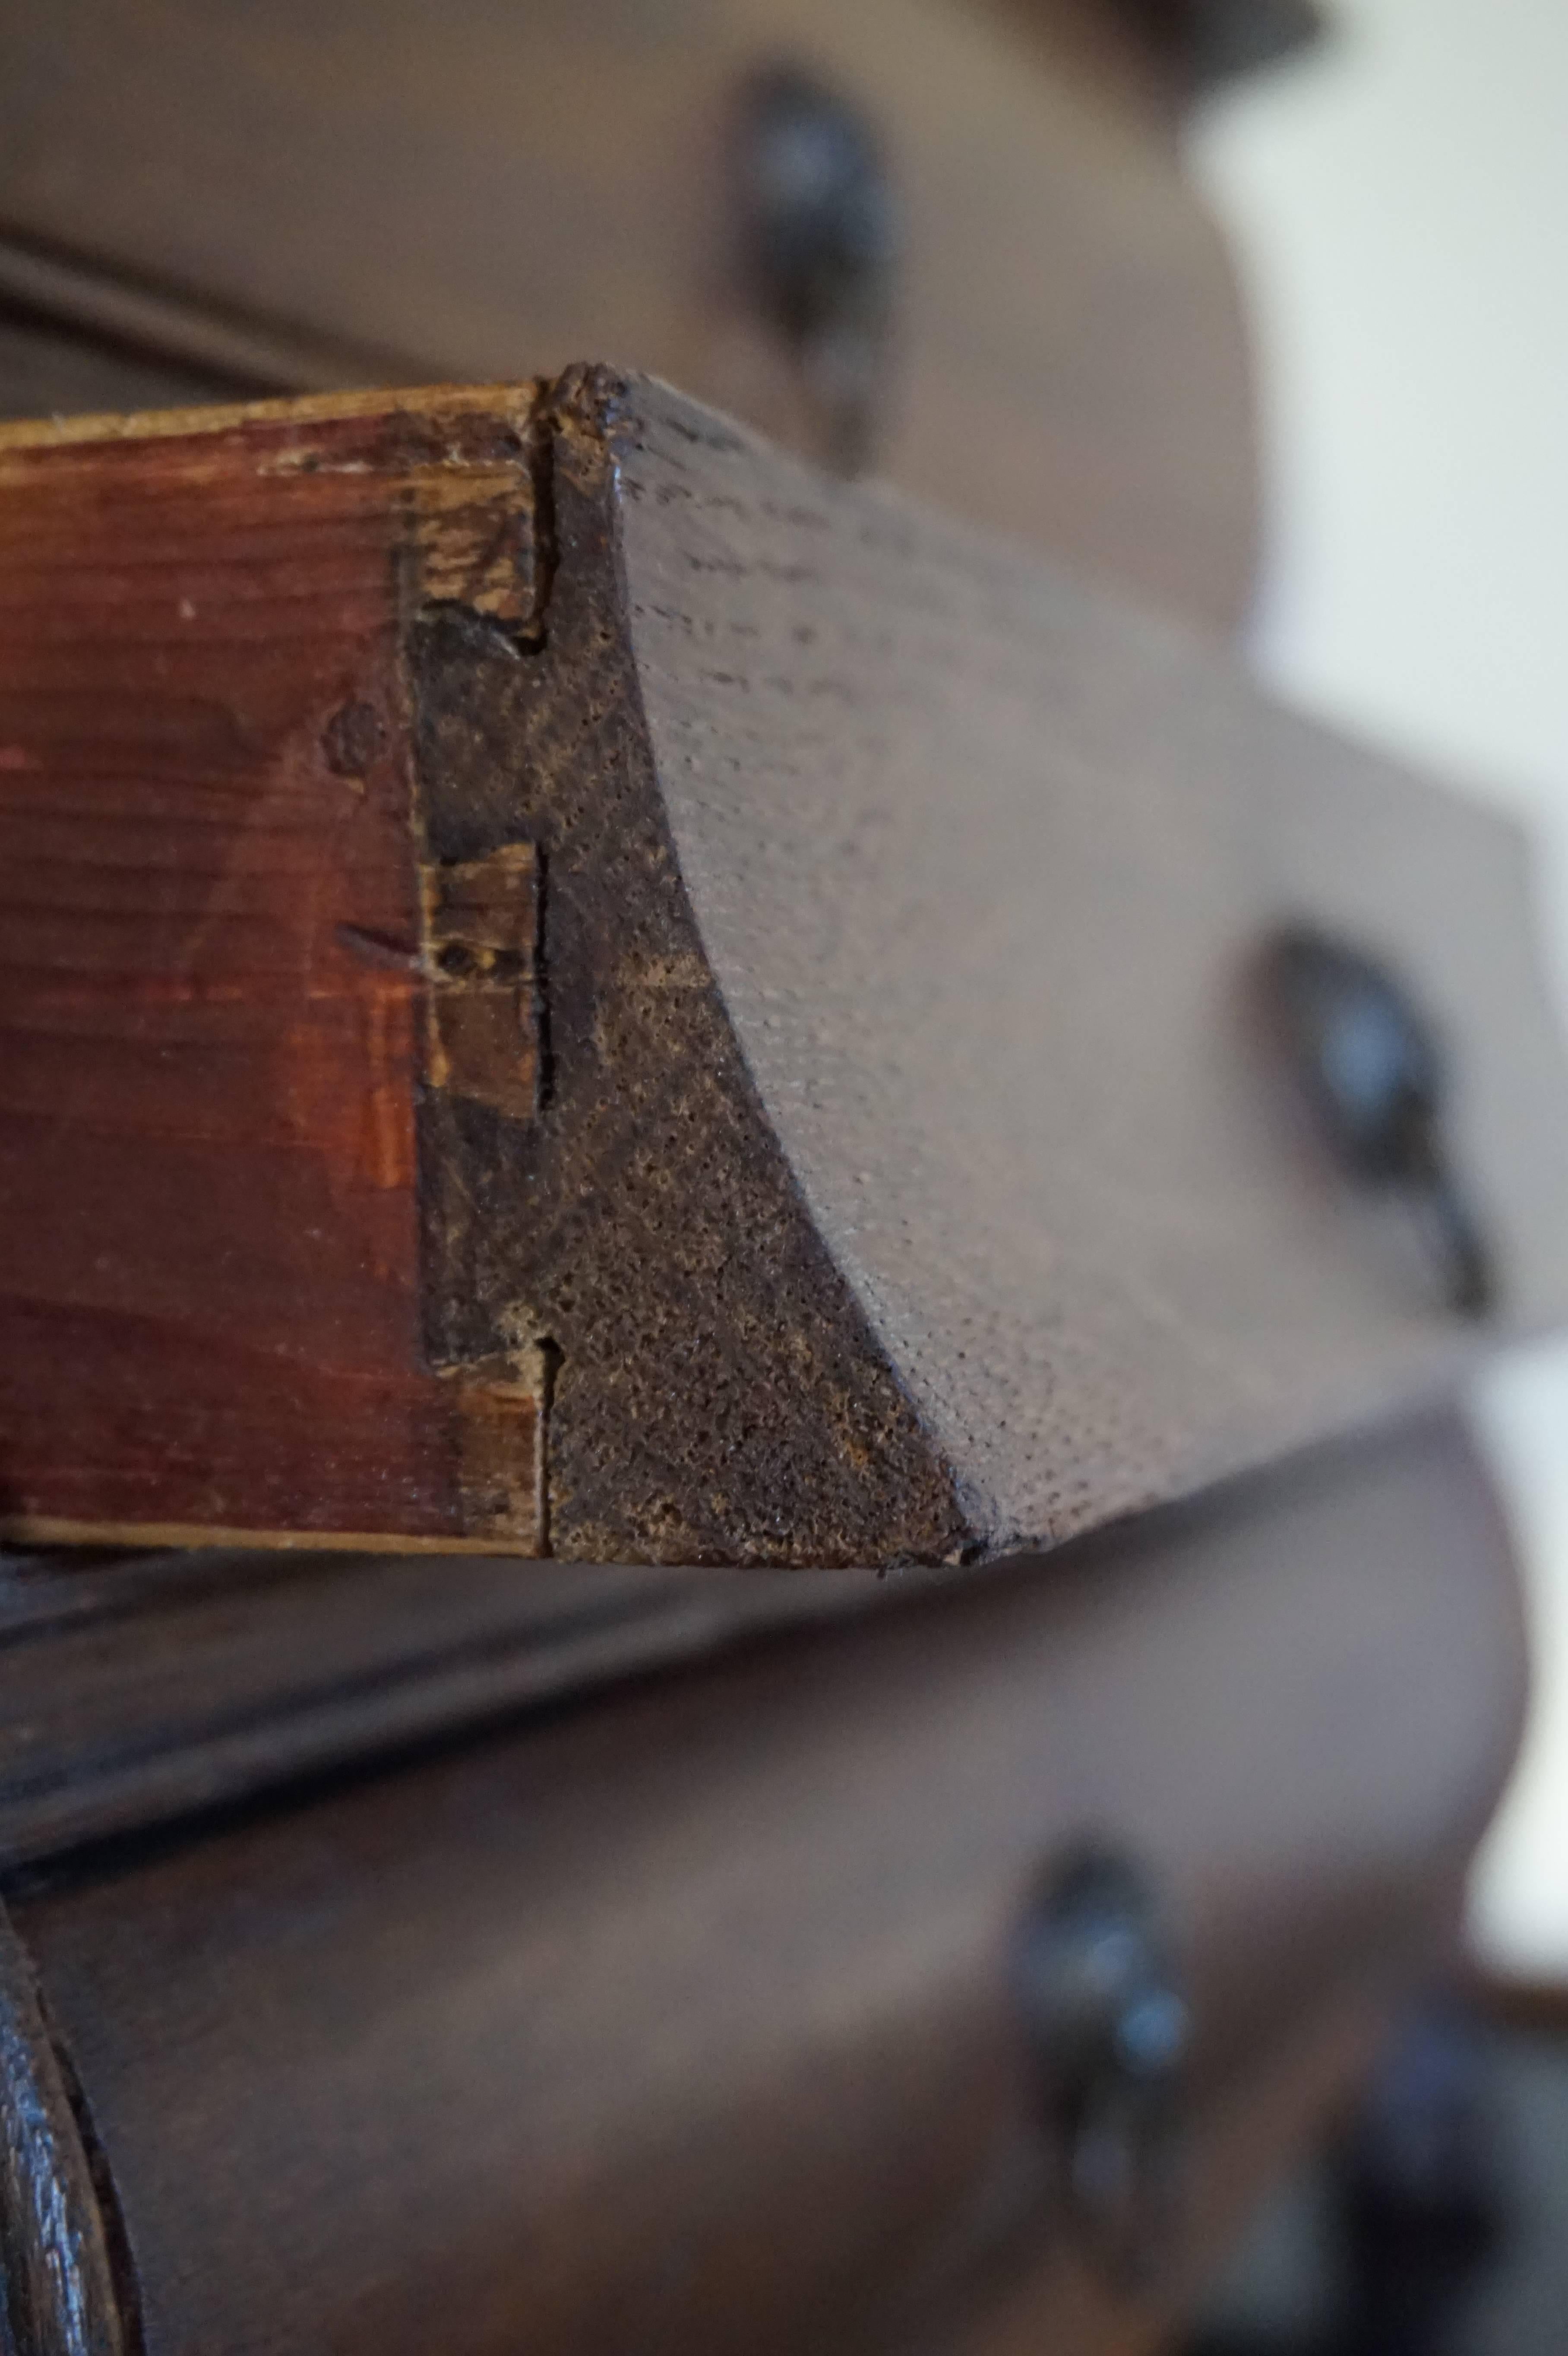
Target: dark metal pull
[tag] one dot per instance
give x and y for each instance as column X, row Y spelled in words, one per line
column 1099, row 1991
column 1374, row 1069
column 824, row 236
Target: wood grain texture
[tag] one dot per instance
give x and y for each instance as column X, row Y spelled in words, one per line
column 977, row 866
column 575, row 986
column 470, row 190
column 980, row 863
column 680, row 2019
column 58, row 2291
column 213, row 946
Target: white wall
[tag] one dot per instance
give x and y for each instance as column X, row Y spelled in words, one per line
column 1399, row 207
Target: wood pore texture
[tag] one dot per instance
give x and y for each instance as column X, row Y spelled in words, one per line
column 576, row 987
column 463, row 188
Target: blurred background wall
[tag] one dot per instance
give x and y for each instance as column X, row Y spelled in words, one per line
column 1399, row 203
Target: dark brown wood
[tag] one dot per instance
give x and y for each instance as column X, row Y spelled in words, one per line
column 144, row 1689
column 681, row 2018
column 48, row 369
column 58, row 2292
column 575, row 986
column 1212, row 41
column 473, row 190
column 1537, row 2004
column 1279, row 2107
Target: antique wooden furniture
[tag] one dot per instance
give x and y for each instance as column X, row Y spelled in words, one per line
column 570, row 987
column 653, row 1078
column 680, row 2010
column 576, row 985
column 483, row 191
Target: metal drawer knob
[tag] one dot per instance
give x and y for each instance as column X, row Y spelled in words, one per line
column 1373, row 1067
column 1110, row 2025
column 824, row 238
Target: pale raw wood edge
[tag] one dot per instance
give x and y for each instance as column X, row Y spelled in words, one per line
column 49, row 1529
column 312, row 409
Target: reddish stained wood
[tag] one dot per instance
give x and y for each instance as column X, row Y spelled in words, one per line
column 863, row 1200
column 209, row 1308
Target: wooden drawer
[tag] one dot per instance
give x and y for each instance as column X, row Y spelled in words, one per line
column 414, row 193
column 685, row 2011
column 576, row 987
